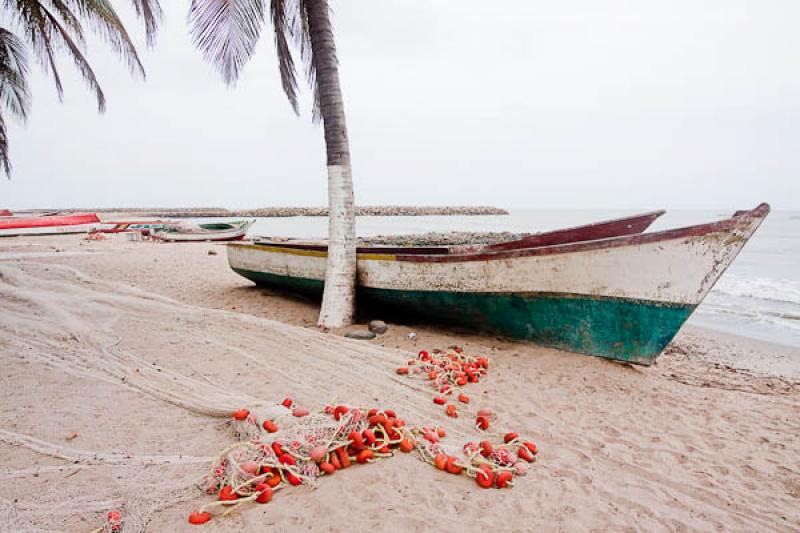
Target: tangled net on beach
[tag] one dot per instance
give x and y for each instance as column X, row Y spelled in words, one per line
column 308, row 446
column 287, row 445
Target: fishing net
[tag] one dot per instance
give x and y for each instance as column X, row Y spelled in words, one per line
column 274, row 454
column 86, row 457
column 38, row 306
column 131, row 510
column 139, row 493
column 57, row 317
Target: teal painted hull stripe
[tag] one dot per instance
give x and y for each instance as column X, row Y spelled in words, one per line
column 635, row 331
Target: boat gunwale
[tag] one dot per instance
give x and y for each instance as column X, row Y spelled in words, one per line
column 646, row 218
column 698, row 230
column 519, row 244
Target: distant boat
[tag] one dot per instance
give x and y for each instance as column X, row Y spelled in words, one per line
column 28, row 213
column 212, row 231
column 621, row 298
column 48, row 225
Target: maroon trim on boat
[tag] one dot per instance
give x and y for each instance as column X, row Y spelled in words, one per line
column 643, row 238
column 422, row 250
column 38, row 222
column 588, row 232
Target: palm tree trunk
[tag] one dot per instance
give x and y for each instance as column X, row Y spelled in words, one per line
column 338, row 300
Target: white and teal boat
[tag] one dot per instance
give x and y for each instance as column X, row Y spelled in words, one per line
column 620, row 297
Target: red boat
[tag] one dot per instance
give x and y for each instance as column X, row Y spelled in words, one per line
column 52, row 225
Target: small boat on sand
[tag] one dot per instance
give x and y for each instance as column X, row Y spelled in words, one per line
column 621, row 298
column 48, row 225
column 212, row 231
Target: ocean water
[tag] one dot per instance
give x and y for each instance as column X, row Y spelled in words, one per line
column 758, row 297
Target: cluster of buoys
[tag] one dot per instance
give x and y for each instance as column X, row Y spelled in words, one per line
column 447, row 370
column 275, row 453
column 491, row 464
column 251, row 471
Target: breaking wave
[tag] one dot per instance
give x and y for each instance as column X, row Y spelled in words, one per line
column 775, row 290
column 760, row 307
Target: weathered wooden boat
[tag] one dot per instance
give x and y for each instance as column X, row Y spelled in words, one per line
column 212, row 231
column 621, row 298
column 629, row 225
column 48, row 225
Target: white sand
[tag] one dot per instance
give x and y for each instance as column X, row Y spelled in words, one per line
column 134, row 345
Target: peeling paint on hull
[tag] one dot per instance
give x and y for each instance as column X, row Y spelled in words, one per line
column 613, row 328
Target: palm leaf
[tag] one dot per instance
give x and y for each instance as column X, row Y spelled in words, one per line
column 14, row 91
column 5, row 161
column 68, row 18
column 226, row 32
column 52, row 26
column 63, row 38
column 283, row 25
column 28, row 14
column 150, row 12
column 302, row 35
column 104, row 21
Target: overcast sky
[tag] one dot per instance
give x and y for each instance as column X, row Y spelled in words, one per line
column 521, row 103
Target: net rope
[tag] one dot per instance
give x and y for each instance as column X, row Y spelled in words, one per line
column 57, row 316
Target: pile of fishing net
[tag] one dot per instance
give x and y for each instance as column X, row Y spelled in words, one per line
column 286, row 445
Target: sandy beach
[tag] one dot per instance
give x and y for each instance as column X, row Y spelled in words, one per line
column 120, row 360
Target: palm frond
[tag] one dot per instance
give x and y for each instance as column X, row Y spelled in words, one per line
column 63, row 38
column 5, row 160
column 282, row 25
column 28, row 15
column 104, row 21
column 227, row 32
column 51, row 26
column 69, row 20
column 302, row 34
column 47, row 35
column 14, row 91
column 150, row 12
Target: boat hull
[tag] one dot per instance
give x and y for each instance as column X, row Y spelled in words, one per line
column 48, row 230
column 237, row 233
column 635, row 331
column 622, row 298
column 48, row 225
